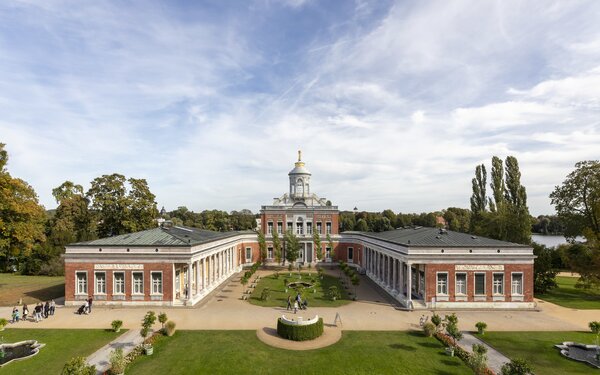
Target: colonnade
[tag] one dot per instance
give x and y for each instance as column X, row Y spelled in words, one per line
column 392, row 273
column 207, row 272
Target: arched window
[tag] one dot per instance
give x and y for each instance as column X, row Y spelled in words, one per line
column 299, row 187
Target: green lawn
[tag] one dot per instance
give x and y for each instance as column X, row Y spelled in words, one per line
column 567, row 295
column 538, row 348
column 317, row 299
column 61, row 345
column 240, row 352
column 31, row 289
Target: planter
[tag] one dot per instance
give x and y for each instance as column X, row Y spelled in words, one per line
column 148, row 349
column 450, row 351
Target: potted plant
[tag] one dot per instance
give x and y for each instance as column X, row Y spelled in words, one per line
column 3, row 323
column 117, row 362
column 162, row 318
column 116, row 325
column 170, row 328
column 147, row 322
column 481, row 326
column 290, row 269
column 334, row 293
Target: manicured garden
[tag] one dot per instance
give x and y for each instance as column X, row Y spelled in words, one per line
column 567, row 295
column 277, row 295
column 538, row 349
column 61, row 346
column 32, row 289
column 240, row 352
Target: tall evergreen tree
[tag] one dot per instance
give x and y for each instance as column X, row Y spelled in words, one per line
column 292, row 247
column 478, row 200
column 518, row 224
column 276, row 246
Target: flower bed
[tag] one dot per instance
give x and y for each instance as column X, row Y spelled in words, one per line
column 460, row 352
column 299, row 332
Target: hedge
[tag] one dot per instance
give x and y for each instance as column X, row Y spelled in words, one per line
column 299, row 332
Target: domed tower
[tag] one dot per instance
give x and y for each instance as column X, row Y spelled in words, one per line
column 299, row 180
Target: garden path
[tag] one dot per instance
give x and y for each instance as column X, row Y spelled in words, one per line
column 495, row 359
column 127, row 341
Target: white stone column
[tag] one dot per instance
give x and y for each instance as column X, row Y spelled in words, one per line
column 203, row 273
column 189, row 281
column 408, row 284
column 394, row 275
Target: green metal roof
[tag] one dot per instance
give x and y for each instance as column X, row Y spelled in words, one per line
column 433, row 237
column 162, row 236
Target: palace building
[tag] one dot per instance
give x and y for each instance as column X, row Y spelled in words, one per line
column 417, row 266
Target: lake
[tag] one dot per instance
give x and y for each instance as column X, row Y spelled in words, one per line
column 551, row 240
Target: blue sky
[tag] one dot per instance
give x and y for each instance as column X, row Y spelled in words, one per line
column 392, row 103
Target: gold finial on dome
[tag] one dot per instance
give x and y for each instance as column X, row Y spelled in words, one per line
column 299, row 163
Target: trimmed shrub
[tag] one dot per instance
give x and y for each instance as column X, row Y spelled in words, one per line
column 481, row 326
column 517, row 366
column 78, row 366
column 170, row 328
column 429, row 329
column 299, row 333
column 116, row 325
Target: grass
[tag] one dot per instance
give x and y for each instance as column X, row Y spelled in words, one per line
column 240, row 352
column 61, row 345
column 567, row 295
column 32, row 289
column 538, row 349
column 279, row 295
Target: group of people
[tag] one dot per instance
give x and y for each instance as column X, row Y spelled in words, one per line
column 40, row 311
column 86, row 308
column 299, row 303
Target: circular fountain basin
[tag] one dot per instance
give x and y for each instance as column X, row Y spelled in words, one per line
column 18, row 351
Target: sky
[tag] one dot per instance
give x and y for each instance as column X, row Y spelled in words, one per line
column 393, row 104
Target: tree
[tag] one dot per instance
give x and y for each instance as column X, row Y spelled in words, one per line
column 78, row 366
column 577, row 201
column 356, row 282
column 331, row 248
column 361, row 226
column 67, row 190
column 317, row 243
column 518, row 226
column 21, row 216
column 277, row 247
column 121, row 211
column 292, row 247
column 262, row 245
column 585, row 260
column 544, row 275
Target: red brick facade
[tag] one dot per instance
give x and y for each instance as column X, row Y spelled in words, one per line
column 431, row 271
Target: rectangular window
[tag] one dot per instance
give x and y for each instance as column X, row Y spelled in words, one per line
column 100, row 283
column 327, row 252
column 350, row 254
column 289, row 227
column 480, row 284
column 156, row 282
column 442, row 283
column 461, row 283
column 248, row 254
column 319, row 228
column 328, row 227
column 270, row 252
column 81, row 278
column 138, row 282
column 299, row 228
column 498, row 286
column 119, row 283
column 308, row 228
column 517, row 284
column 269, row 228
column 279, row 227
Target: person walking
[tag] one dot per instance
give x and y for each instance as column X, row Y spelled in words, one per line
column 289, row 302
column 90, row 304
column 46, row 309
column 25, row 311
column 86, row 306
column 37, row 313
column 52, row 307
column 295, row 307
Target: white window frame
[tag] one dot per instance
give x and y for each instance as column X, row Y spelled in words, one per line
column 350, row 258
column 456, row 292
column 512, row 277
column 494, row 289
column 77, row 290
column 438, row 284
column 279, row 227
column 290, row 227
column 115, row 284
column 319, row 227
column 96, row 289
column 299, row 227
column 327, row 252
column 270, row 252
column 308, row 228
column 270, row 227
column 328, row 227
column 133, row 292
column 152, row 291
column 484, row 284
column 248, row 259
